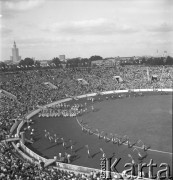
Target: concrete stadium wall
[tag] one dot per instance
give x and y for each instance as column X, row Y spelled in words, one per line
column 22, row 154
column 32, row 113
column 76, row 168
column 14, row 126
column 19, row 127
column 32, row 154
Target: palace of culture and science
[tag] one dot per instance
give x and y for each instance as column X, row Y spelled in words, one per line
column 15, row 58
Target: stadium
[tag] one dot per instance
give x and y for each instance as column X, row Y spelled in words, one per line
column 61, row 123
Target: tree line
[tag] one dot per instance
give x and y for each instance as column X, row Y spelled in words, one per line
column 29, row 63
column 152, row 61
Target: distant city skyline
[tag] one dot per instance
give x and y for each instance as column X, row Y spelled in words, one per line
column 81, row 28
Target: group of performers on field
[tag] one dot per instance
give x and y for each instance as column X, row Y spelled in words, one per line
column 66, row 143
column 58, row 139
column 63, row 110
column 115, row 139
column 66, row 110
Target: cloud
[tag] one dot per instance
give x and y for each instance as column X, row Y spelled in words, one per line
column 164, row 27
column 44, row 41
column 21, row 5
column 96, row 26
column 4, row 30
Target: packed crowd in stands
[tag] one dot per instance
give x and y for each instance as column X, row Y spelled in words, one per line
column 31, row 92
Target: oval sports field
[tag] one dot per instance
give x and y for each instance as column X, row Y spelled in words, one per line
column 145, row 119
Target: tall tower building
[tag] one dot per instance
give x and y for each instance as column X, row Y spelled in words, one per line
column 15, row 54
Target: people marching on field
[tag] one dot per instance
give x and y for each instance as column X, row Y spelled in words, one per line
column 115, row 139
column 63, row 110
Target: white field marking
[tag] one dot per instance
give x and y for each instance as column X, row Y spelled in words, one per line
column 154, row 150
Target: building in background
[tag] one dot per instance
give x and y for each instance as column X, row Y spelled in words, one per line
column 97, row 62
column 44, row 63
column 62, row 57
column 15, row 58
column 110, row 62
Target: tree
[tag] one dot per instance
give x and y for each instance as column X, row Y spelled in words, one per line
column 75, row 62
column 37, row 63
column 143, row 60
column 95, row 58
column 2, row 65
column 21, row 62
column 169, row 60
column 85, row 62
column 27, row 62
column 56, row 61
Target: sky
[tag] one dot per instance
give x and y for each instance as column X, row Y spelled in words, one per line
column 44, row 29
